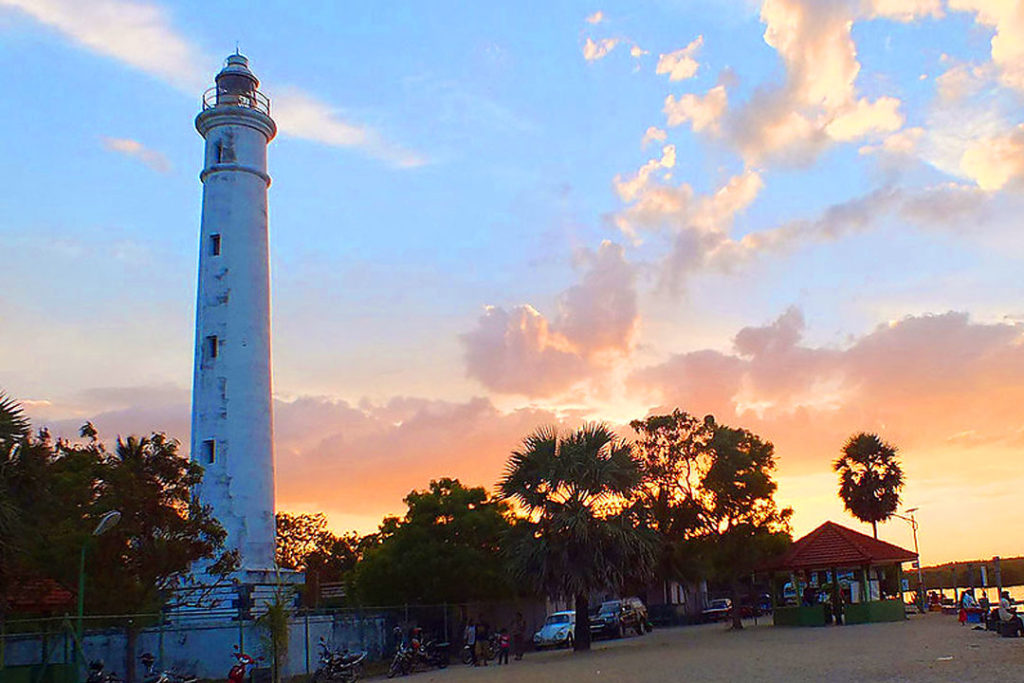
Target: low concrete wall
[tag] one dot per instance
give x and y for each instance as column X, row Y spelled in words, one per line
column 206, row 649
column 799, row 616
column 875, row 611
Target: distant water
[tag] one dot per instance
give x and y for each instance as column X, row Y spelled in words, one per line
column 1016, row 592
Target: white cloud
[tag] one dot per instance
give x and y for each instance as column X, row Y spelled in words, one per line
column 1007, row 18
column 902, row 143
column 653, row 134
column 303, row 116
column 864, row 117
column 637, row 51
column 680, row 65
column 594, row 51
column 906, row 10
column 995, row 162
column 631, row 188
column 701, row 112
column 142, row 35
column 137, row 33
column 595, row 18
column 135, row 149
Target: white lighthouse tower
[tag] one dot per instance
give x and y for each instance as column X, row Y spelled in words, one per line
column 232, row 416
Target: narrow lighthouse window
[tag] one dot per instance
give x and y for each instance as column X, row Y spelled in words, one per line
column 211, row 346
column 209, row 451
column 215, row 244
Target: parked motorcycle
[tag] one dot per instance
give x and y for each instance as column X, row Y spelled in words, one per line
column 342, row 666
column 402, row 662
column 153, row 676
column 240, row 671
column 98, row 675
column 490, row 650
column 433, row 654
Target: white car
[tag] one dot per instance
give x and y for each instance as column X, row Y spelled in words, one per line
column 559, row 630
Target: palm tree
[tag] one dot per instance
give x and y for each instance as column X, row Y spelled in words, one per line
column 870, row 479
column 576, row 538
column 14, row 426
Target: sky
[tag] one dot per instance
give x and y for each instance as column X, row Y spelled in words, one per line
column 800, row 216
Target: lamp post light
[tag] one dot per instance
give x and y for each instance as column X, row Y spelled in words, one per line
column 106, row 523
column 920, row 573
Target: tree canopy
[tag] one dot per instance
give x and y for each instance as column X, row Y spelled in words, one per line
column 445, row 549
column 59, row 489
column 576, row 537
column 870, row 478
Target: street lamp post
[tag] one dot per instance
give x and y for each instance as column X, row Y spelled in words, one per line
column 920, row 573
column 106, row 523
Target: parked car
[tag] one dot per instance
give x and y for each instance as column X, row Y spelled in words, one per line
column 559, row 630
column 719, row 610
column 615, row 617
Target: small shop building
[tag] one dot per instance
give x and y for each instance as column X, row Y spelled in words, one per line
column 837, row 566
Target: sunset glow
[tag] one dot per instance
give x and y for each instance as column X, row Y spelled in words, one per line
column 800, row 216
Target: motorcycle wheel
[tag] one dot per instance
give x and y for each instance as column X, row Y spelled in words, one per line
column 467, row 655
column 396, row 668
column 442, row 660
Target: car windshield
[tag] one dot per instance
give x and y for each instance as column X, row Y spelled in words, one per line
column 558, row 619
column 718, row 604
column 612, row 606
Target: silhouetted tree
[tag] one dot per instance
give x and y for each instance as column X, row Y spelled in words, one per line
column 741, row 526
column 576, row 537
column 870, row 479
column 673, row 452
column 447, row 548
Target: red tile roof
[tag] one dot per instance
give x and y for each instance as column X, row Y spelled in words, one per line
column 38, row 596
column 833, row 545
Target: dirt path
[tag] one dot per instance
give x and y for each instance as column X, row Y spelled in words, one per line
column 925, row 648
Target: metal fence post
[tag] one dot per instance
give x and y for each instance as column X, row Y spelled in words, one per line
column 307, row 642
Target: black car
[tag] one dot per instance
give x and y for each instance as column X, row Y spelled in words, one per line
column 615, row 617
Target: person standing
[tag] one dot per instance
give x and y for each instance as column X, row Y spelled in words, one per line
column 470, row 638
column 519, row 635
column 481, row 643
column 504, row 644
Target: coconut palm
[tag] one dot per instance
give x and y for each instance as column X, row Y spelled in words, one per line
column 14, row 426
column 870, row 479
column 575, row 538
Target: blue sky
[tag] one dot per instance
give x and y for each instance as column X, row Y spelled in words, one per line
column 842, row 174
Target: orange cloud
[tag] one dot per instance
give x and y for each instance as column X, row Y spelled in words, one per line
column 995, row 162
column 701, row 112
column 681, row 64
column 521, row 352
column 1006, row 17
column 924, row 380
column 593, row 51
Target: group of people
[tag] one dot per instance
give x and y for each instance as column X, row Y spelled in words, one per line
column 478, row 637
column 1005, row 614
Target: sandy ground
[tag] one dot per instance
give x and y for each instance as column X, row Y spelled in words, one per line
column 928, row 647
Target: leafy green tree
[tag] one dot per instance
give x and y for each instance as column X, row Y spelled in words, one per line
column 61, row 488
column 304, row 542
column 870, row 478
column 741, row 526
column 576, row 538
column 445, row 549
column 673, row 452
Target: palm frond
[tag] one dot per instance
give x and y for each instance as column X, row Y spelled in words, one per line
column 14, row 425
